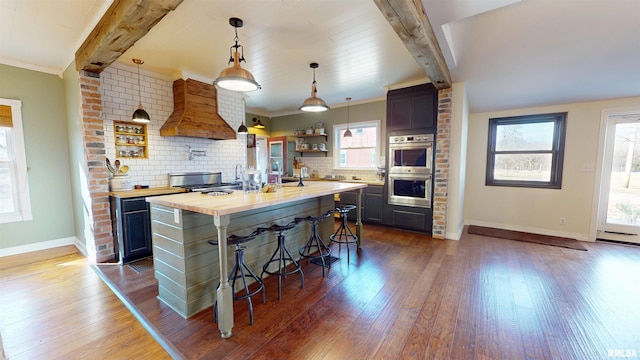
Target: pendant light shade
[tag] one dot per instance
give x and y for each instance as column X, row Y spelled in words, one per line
column 243, row 129
column 348, row 132
column 258, row 124
column 140, row 115
column 313, row 103
column 236, row 78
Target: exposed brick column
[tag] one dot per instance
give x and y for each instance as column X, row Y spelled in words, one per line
column 441, row 175
column 98, row 220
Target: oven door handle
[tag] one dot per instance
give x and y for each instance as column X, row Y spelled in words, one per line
column 412, row 176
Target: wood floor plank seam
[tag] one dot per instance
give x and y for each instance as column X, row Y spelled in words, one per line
column 403, row 295
column 162, row 340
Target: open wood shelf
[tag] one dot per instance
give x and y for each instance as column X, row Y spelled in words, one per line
column 130, row 139
column 304, row 136
column 312, row 151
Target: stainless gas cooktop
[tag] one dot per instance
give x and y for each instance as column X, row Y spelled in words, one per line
column 206, row 182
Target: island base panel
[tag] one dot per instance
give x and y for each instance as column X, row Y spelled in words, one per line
column 186, row 265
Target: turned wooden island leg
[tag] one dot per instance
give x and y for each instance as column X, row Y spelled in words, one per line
column 224, row 294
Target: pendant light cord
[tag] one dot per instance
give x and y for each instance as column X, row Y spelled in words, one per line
column 347, row 133
column 348, row 103
column 236, row 39
column 314, row 84
column 139, row 90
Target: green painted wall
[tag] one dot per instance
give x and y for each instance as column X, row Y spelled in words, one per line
column 76, row 152
column 264, row 120
column 46, row 141
column 377, row 110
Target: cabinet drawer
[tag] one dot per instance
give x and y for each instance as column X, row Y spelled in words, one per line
column 374, row 189
column 133, row 205
column 409, row 219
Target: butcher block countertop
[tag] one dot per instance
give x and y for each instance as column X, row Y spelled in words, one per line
column 166, row 190
column 239, row 201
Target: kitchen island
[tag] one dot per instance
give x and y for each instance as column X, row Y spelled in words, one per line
column 185, row 263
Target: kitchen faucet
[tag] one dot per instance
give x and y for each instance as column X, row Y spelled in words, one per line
column 238, row 177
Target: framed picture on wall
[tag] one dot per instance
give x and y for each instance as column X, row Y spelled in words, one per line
column 251, row 140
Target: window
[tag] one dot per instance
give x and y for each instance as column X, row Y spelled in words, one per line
column 14, row 190
column 526, row 151
column 359, row 152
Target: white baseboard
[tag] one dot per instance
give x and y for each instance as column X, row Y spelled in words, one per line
column 450, row 235
column 22, row 249
column 571, row 235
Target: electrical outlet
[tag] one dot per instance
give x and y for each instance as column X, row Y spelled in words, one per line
column 587, row 167
column 563, row 221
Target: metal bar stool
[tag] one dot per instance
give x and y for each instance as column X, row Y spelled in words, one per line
column 282, row 256
column 316, row 243
column 343, row 234
column 240, row 270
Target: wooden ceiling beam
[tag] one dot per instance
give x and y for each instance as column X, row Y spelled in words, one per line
column 410, row 22
column 124, row 23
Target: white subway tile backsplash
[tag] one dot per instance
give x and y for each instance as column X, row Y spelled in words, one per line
column 116, row 88
column 107, row 82
column 118, row 78
column 167, row 154
column 324, row 166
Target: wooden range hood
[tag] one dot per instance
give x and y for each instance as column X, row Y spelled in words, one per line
column 195, row 112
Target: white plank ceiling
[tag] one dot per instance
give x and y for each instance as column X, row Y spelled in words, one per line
column 509, row 53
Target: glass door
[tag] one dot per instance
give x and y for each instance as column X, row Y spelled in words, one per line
column 619, row 209
column 277, row 149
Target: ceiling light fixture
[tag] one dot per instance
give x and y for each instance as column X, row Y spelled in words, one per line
column 348, row 132
column 314, row 104
column 236, row 78
column 243, row 128
column 258, row 125
column 140, row 115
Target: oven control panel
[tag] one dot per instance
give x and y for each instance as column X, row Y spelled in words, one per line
column 411, row 139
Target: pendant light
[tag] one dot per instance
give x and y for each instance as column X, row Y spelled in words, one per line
column 314, row 104
column 348, row 132
column 243, row 129
column 140, row 115
column 236, row 78
column 259, row 124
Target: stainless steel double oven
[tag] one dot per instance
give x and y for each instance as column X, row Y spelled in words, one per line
column 410, row 174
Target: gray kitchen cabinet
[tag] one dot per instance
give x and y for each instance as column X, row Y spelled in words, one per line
column 372, row 203
column 409, row 217
column 131, row 224
column 351, row 198
column 374, row 199
column 412, row 109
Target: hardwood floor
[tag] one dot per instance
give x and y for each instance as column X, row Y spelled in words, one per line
column 54, row 306
column 405, row 296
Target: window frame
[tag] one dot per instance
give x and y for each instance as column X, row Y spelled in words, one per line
column 19, row 164
column 557, row 149
column 337, row 128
